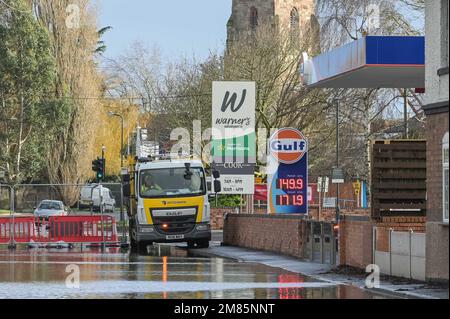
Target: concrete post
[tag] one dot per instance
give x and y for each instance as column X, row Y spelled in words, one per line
column 322, row 236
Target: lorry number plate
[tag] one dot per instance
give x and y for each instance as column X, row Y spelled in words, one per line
column 174, row 237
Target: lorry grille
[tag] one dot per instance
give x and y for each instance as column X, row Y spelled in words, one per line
column 177, row 225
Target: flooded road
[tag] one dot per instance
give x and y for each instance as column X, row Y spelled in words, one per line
column 165, row 272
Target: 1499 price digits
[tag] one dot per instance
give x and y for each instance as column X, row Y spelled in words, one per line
column 290, row 184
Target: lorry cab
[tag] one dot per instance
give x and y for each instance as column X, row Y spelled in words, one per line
column 168, row 203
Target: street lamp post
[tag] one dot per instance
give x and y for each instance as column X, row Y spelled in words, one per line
column 121, row 135
column 337, row 102
column 122, row 215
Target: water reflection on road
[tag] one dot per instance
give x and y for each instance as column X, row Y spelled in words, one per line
column 166, row 272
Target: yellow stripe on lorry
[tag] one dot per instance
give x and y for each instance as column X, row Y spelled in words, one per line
column 168, row 203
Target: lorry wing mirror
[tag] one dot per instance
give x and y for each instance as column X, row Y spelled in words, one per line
column 216, row 174
column 188, row 174
column 126, row 190
column 217, row 186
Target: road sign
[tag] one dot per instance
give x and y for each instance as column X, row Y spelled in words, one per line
column 338, row 176
column 322, row 184
column 329, row 202
column 357, row 187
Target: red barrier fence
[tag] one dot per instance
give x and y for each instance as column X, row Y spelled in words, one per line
column 68, row 229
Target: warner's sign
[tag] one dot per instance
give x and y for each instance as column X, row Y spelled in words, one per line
column 233, row 135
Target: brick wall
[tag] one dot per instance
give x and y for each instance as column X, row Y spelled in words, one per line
column 355, row 241
column 329, row 215
column 416, row 224
column 356, row 236
column 437, row 126
column 437, row 248
column 217, row 215
column 280, row 234
column 287, row 235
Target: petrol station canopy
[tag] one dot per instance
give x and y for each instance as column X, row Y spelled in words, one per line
column 370, row 62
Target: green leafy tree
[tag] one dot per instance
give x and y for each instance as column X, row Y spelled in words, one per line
column 27, row 70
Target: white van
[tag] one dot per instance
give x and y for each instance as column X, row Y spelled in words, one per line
column 90, row 195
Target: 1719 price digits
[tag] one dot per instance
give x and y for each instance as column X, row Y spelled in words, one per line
column 290, row 200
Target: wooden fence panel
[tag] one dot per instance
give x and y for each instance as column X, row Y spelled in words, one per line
column 399, row 178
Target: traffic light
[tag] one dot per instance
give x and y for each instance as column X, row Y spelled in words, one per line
column 98, row 166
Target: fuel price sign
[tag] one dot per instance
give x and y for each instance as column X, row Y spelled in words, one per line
column 288, row 172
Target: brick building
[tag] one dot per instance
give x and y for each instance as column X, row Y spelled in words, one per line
column 299, row 15
column 436, row 108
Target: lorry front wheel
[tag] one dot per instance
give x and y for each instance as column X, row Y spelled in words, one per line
column 139, row 247
column 203, row 244
column 191, row 244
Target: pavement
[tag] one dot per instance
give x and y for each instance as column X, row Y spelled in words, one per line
column 390, row 286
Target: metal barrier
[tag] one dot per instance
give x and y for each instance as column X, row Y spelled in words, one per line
column 19, row 230
column 67, row 229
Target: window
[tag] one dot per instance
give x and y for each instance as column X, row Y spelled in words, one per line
column 172, row 182
column 295, row 20
column 253, row 18
column 445, row 176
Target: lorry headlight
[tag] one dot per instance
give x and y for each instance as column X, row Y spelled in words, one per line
column 147, row 230
column 202, row 227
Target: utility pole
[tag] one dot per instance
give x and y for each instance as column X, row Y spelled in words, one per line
column 405, row 113
column 122, row 214
column 337, row 102
column 121, row 135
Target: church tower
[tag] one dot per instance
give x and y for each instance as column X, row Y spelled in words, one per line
column 288, row 14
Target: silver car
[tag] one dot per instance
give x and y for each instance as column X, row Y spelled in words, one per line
column 50, row 208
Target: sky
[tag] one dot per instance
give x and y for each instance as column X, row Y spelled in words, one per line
column 180, row 28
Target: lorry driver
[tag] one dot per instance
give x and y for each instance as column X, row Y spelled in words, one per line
column 149, row 184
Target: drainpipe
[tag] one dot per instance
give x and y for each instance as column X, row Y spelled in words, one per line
column 390, row 251
column 374, row 243
column 410, row 253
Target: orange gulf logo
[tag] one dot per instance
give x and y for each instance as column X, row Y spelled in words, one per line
column 288, row 145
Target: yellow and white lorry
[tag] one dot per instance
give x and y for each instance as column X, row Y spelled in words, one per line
column 168, row 202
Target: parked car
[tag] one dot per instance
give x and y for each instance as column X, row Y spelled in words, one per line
column 50, row 208
column 90, row 195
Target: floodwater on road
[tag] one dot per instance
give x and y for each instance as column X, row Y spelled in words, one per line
column 165, row 272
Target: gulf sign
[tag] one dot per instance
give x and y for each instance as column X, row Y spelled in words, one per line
column 288, row 146
column 287, row 184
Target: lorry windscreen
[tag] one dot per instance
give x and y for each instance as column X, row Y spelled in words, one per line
column 172, row 182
